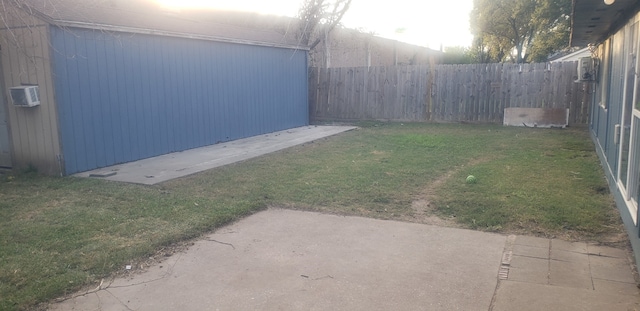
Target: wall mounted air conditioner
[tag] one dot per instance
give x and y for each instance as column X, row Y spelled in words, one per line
column 25, row 96
column 586, row 69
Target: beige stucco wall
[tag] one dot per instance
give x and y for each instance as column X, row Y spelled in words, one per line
column 25, row 59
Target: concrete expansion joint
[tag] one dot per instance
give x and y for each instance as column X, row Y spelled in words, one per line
column 589, row 264
column 549, row 263
column 503, row 271
column 507, row 255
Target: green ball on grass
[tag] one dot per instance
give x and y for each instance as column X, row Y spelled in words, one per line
column 471, row 179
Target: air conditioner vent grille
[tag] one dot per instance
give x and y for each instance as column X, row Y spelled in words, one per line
column 25, row 96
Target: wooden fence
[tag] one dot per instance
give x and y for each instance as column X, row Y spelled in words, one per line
column 446, row 93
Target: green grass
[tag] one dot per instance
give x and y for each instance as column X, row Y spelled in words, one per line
column 546, row 182
column 59, row 234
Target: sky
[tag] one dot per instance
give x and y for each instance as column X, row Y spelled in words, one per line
column 430, row 23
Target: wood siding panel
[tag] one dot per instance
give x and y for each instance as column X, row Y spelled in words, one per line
column 126, row 97
column 25, row 57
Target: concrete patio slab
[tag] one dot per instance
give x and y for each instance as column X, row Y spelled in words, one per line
column 524, row 296
column 179, row 164
column 567, row 276
column 291, row 260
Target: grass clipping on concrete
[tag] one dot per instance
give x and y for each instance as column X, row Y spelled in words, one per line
column 60, row 234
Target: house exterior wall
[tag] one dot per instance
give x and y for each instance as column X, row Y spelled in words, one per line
column 25, row 59
column 618, row 87
column 351, row 48
column 572, row 57
column 123, row 97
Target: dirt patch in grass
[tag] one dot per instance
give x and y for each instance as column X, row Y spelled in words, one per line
column 424, row 210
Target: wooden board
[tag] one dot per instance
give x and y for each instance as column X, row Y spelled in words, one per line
column 536, row 117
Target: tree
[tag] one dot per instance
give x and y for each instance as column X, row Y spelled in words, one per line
column 457, row 55
column 315, row 14
column 520, row 30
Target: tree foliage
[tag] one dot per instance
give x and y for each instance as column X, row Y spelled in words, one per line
column 519, row 30
column 457, row 55
column 314, row 14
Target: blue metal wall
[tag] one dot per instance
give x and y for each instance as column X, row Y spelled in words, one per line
column 123, row 97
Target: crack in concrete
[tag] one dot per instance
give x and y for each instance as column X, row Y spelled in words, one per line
column 118, row 299
column 165, row 275
column 88, row 292
column 110, row 286
column 212, row 240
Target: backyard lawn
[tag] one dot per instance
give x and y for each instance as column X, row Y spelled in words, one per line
column 61, row 234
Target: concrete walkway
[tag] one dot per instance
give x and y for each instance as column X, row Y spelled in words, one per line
column 291, row 260
column 179, row 164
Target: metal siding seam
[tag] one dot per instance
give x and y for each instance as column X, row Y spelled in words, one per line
column 63, row 92
column 165, row 106
column 119, row 100
column 149, row 96
column 136, row 71
column 305, row 96
column 234, row 92
column 223, row 106
column 182, row 100
column 205, row 99
column 201, row 98
column 104, row 93
column 197, row 107
column 208, row 96
column 215, row 95
column 260, row 105
column 75, row 113
column 85, row 124
column 145, row 118
column 192, row 125
column 97, row 101
column 248, row 104
column 60, row 74
column 193, row 100
column 186, row 128
column 159, row 98
column 171, row 104
column 228, row 93
column 131, row 150
column 155, row 94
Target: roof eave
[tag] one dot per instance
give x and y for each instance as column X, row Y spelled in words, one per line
column 114, row 28
column 597, row 21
